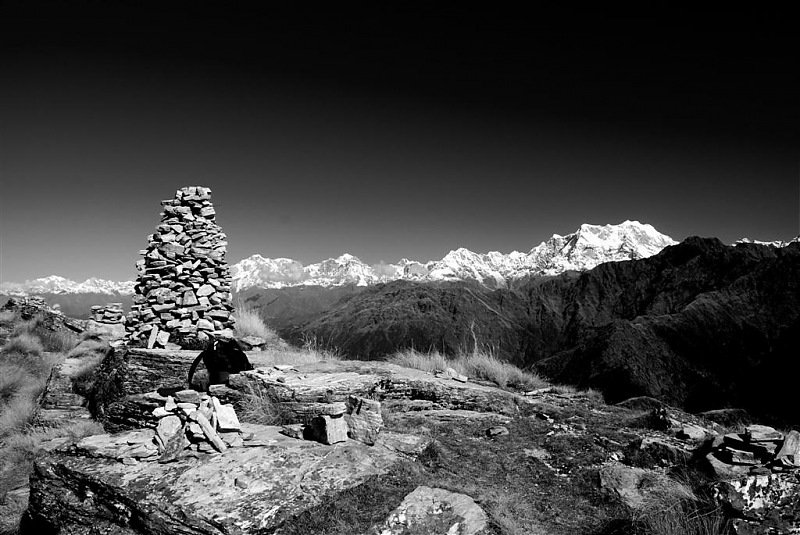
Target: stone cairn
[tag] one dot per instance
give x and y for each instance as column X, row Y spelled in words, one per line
column 111, row 314
column 183, row 289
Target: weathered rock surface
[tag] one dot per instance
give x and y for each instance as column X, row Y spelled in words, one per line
column 433, row 511
column 80, row 490
column 364, row 420
column 336, row 381
column 635, row 486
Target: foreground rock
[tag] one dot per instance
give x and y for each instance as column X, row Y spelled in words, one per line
column 84, row 488
column 432, row 510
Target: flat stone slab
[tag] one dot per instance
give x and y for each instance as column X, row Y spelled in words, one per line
column 335, row 381
column 243, row 490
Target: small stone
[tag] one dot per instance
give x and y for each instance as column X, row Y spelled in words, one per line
column 789, row 454
column 496, row 431
column 241, row 482
column 205, row 325
column 163, row 338
column 760, row 433
column 226, row 416
column 293, row 430
column 329, row 429
column 129, row 461
column 170, row 404
column 364, row 420
column 741, row 457
column 160, row 412
column 205, row 290
column 188, row 396
column 189, row 298
column 691, row 432
column 151, row 342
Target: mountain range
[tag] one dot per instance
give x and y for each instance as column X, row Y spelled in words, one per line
column 701, row 325
column 583, row 249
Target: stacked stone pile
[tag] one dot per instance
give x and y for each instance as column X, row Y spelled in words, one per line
column 759, row 450
column 184, row 286
column 110, row 314
column 197, row 422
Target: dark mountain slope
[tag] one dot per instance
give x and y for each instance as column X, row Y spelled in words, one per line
column 693, row 325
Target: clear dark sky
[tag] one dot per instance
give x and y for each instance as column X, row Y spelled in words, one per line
column 386, row 135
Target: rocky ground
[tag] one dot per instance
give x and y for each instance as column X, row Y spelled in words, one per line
column 368, row 447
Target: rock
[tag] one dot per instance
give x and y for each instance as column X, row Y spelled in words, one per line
column 765, row 498
column 664, row 450
column 252, row 342
column 329, row 429
column 151, row 341
column 187, row 396
column 168, row 427
column 170, row 404
column 497, row 431
column 741, row 457
column 694, row 433
column 761, row 433
column 205, row 290
column 226, row 416
column 633, row 486
column 364, row 420
column 208, row 431
column 724, row 471
column 789, row 453
column 293, row 430
column 334, row 381
column 72, row 493
column 160, row 412
column 433, row 510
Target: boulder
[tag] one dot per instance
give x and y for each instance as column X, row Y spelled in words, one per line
column 789, row 453
column 72, row 493
column 329, row 429
column 434, row 510
column 761, row 433
column 364, row 420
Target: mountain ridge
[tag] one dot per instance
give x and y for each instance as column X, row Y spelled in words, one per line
column 587, row 247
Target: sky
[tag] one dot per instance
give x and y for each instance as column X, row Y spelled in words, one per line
column 385, row 134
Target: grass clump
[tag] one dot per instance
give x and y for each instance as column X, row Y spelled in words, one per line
column 475, row 365
column 250, row 323
column 24, row 343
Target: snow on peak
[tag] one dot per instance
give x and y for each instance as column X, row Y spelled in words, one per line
column 584, row 249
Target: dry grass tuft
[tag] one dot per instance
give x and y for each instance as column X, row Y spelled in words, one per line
column 257, row 407
column 8, row 317
column 24, row 343
column 475, row 365
column 250, row 323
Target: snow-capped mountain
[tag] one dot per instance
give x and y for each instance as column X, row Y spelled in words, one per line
column 776, row 243
column 584, row 249
column 60, row 285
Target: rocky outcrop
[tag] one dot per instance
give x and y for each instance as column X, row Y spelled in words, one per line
column 700, row 325
column 183, row 287
column 84, row 488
